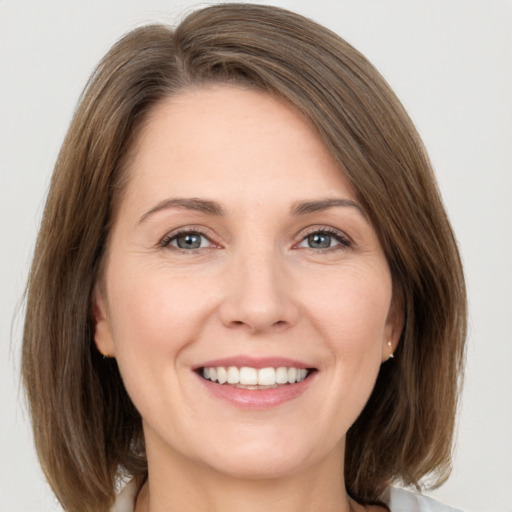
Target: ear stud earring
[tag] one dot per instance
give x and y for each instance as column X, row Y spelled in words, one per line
column 390, row 345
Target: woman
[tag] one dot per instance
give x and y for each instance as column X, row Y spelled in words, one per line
column 246, row 294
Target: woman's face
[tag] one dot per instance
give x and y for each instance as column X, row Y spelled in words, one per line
column 238, row 243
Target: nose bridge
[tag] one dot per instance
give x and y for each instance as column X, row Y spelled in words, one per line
column 258, row 295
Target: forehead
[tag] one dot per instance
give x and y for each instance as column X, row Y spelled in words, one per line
column 244, row 139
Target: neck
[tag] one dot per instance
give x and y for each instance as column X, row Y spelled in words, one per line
column 183, row 485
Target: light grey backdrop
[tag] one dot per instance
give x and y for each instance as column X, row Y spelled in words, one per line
column 450, row 63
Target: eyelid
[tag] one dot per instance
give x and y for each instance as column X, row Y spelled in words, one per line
column 165, row 241
column 343, row 239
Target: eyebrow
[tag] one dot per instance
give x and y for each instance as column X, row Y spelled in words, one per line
column 214, row 208
column 198, row 205
column 305, row 207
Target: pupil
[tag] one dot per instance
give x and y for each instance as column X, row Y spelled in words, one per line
column 319, row 241
column 189, row 241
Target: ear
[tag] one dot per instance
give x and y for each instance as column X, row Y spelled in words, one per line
column 102, row 330
column 394, row 327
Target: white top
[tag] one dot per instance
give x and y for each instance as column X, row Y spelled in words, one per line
column 401, row 500
column 398, row 500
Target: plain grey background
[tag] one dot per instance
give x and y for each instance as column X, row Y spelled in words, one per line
column 449, row 61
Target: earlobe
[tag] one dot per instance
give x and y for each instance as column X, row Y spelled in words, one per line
column 394, row 327
column 102, row 332
column 388, row 348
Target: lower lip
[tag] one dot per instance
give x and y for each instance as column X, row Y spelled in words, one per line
column 257, row 398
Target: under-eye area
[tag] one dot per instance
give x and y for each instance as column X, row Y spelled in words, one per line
column 255, row 378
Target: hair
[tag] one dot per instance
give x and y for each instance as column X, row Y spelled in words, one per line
column 87, row 432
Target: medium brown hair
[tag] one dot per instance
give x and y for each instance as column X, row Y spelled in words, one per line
column 86, row 429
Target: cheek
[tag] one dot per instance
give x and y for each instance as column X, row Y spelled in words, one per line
column 352, row 318
column 154, row 316
column 352, row 308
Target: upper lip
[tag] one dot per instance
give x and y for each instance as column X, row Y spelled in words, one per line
column 254, row 362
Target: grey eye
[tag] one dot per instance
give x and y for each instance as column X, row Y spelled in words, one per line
column 319, row 240
column 324, row 239
column 188, row 241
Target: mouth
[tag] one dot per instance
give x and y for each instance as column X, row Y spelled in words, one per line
column 256, row 383
column 251, row 378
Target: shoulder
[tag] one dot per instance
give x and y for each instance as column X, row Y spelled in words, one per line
column 401, row 500
column 125, row 500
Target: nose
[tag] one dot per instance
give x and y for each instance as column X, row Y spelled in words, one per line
column 258, row 294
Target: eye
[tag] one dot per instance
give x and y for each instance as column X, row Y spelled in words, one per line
column 187, row 241
column 324, row 239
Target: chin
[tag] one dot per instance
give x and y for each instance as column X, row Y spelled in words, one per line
column 266, row 455
column 260, row 467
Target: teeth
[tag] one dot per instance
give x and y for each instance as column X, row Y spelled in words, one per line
column 253, row 377
column 266, row 377
column 281, row 375
column 248, row 376
column 222, row 375
column 301, row 374
column 233, row 375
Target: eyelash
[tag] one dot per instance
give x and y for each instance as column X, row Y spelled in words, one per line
column 168, row 239
column 344, row 241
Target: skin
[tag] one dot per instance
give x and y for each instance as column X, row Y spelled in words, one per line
column 255, row 286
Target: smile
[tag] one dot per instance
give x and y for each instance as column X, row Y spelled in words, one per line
column 254, row 378
column 256, row 383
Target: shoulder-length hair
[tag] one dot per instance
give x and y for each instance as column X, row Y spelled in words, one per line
column 87, row 431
